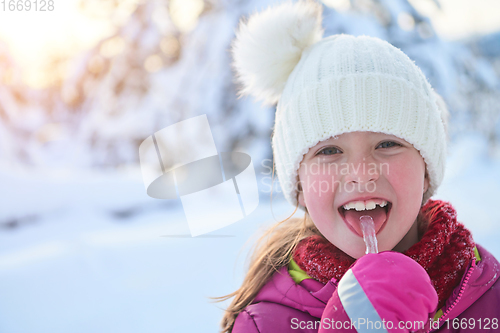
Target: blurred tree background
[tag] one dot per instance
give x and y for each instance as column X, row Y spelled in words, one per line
column 168, row 60
column 82, row 246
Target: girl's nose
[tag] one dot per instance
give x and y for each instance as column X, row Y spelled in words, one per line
column 361, row 171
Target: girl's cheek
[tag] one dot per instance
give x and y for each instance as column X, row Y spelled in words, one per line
column 316, row 178
column 327, row 182
column 404, row 177
column 395, row 173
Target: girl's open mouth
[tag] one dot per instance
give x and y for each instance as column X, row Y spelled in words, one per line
column 380, row 216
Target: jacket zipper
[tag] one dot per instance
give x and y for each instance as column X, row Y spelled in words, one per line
column 460, row 294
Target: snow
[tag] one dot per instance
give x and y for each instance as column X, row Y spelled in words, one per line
column 83, row 249
column 109, row 103
column 99, row 255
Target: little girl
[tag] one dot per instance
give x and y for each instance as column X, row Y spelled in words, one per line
column 359, row 132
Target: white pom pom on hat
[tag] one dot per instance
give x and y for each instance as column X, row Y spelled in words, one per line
column 269, row 45
column 335, row 85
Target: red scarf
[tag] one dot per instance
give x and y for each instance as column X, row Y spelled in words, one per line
column 444, row 251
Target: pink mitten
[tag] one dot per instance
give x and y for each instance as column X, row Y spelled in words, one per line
column 383, row 292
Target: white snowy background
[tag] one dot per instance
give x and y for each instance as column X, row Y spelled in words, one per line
column 84, row 249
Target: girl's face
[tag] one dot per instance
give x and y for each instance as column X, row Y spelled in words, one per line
column 364, row 166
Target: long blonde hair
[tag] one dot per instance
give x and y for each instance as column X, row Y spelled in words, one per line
column 272, row 251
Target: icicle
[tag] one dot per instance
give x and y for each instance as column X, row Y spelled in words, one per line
column 369, row 236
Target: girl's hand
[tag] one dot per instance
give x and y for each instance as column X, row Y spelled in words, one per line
column 383, row 292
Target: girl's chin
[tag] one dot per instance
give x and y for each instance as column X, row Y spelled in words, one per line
column 358, row 255
column 359, row 250
column 355, row 252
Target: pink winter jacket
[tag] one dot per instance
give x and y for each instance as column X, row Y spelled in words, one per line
column 285, row 306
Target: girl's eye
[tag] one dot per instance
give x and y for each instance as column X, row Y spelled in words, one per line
column 391, row 144
column 328, row 151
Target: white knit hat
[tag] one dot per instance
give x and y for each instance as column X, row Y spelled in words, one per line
column 339, row 84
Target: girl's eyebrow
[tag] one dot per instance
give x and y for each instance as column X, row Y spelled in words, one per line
column 332, row 141
column 325, row 144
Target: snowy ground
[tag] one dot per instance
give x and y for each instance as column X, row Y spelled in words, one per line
column 96, row 254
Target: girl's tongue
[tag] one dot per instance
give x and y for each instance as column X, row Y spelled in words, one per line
column 378, row 215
